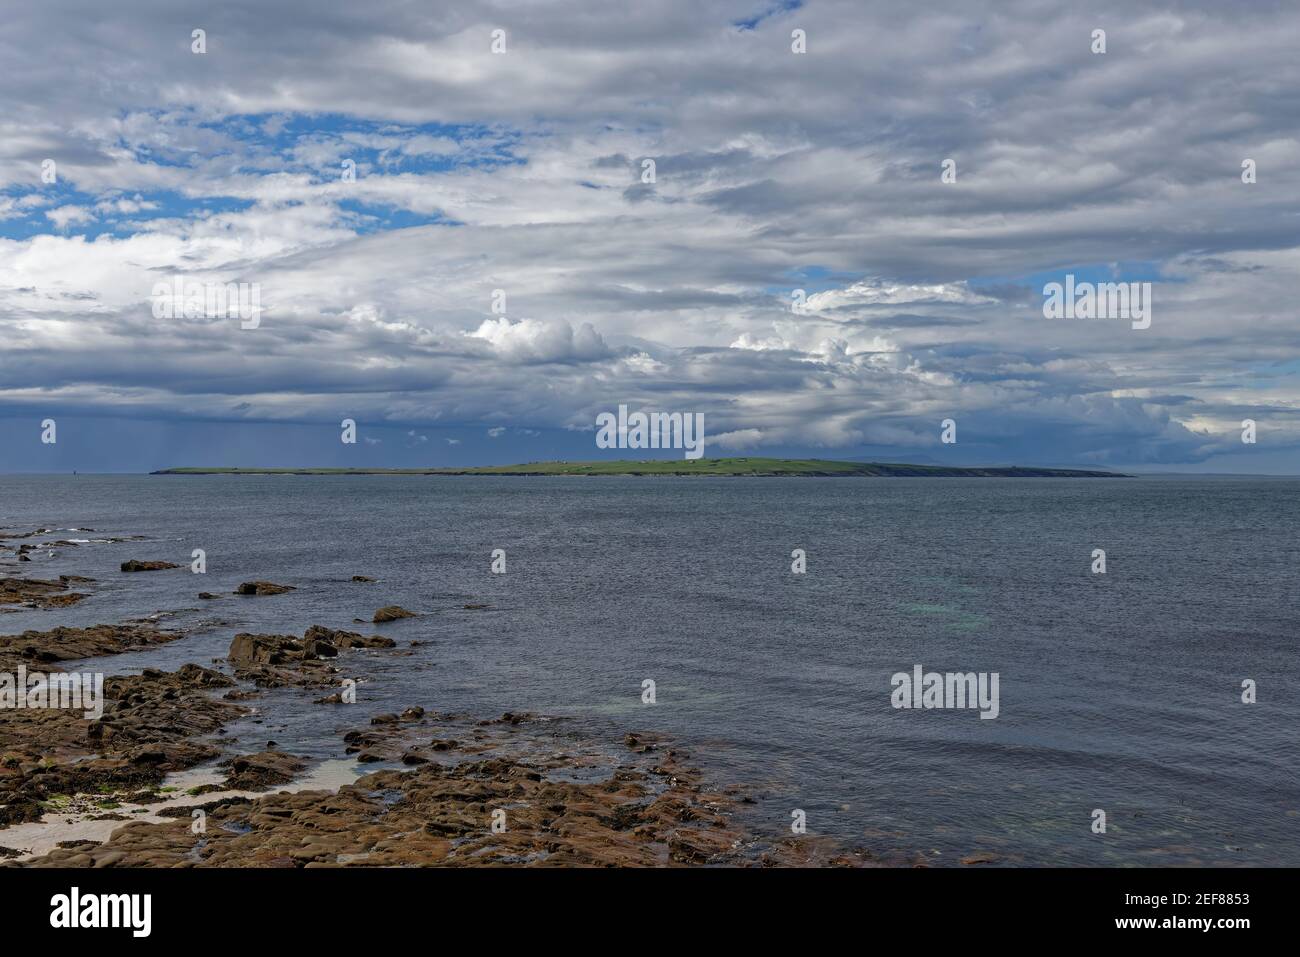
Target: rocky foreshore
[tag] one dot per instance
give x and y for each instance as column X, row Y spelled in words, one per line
column 150, row 725
column 474, row 794
column 445, row 789
column 35, row 593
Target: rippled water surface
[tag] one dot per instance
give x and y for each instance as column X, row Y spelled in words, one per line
column 1119, row 691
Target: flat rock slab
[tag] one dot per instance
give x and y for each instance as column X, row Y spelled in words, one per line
column 262, row 588
column 134, row 565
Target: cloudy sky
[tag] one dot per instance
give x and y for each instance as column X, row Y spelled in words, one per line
column 524, row 171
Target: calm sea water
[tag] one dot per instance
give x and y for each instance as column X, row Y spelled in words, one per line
column 1118, row 691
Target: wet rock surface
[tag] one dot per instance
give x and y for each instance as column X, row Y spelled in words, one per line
column 35, row 593
column 262, row 588
column 260, row 771
column 149, row 725
column 283, row 661
column 506, row 793
column 66, row 644
column 347, row 639
column 391, row 613
column 133, row 565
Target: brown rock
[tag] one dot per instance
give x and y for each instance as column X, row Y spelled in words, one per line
column 138, row 566
column 346, row 639
column 248, row 649
column 35, row 593
column 256, row 772
column 319, row 649
column 392, row 613
column 65, row 644
column 262, row 588
column 435, row 813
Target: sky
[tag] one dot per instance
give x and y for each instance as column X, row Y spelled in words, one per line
column 457, row 243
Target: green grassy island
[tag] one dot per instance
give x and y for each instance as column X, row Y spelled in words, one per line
column 688, row 467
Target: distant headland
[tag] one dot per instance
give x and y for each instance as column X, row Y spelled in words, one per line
column 738, row 467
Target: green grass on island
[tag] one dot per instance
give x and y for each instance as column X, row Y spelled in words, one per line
column 687, row 467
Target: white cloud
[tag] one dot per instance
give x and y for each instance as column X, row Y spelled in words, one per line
column 677, row 294
column 64, row 216
column 878, row 292
column 534, row 340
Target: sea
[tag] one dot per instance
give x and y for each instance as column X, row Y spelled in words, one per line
column 1163, row 691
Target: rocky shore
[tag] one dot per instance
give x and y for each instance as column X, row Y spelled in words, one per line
column 515, row 791
column 34, row 593
column 445, row 789
column 151, row 725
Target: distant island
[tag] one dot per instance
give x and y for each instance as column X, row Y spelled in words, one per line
column 683, row 467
